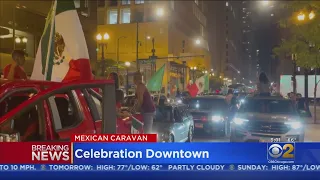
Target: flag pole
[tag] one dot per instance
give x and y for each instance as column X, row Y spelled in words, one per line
column 53, row 13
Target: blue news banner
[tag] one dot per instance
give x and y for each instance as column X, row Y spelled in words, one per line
column 201, row 157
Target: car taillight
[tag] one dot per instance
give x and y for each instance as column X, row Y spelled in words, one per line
column 204, row 118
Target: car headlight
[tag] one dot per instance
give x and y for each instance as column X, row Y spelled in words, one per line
column 168, row 100
column 162, row 136
column 179, row 101
column 216, row 118
column 294, row 124
column 242, row 101
column 240, row 121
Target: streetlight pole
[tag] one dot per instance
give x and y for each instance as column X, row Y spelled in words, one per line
column 127, row 64
column 302, row 17
column 102, row 45
column 294, row 80
column 118, row 47
column 137, row 47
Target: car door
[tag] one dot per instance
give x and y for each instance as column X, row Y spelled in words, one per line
column 63, row 128
column 179, row 126
column 185, row 120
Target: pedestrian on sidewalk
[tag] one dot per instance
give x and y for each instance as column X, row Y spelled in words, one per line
column 144, row 103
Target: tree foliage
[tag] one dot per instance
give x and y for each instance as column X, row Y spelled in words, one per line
column 301, row 38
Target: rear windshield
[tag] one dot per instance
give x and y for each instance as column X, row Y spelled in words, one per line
column 208, row 104
column 268, row 106
column 163, row 114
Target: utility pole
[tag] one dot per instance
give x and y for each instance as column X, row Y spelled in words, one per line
column 153, row 58
column 137, row 47
column 294, row 73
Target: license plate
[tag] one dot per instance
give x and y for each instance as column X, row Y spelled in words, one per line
column 198, row 125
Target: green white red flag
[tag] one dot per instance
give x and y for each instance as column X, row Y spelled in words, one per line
column 62, row 53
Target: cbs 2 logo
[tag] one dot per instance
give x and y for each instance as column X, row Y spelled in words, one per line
column 285, row 151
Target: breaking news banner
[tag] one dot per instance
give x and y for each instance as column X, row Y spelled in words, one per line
column 160, row 167
column 138, row 153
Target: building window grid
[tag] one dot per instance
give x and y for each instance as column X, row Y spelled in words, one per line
column 125, row 16
column 125, row 2
column 139, row 1
column 113, row 16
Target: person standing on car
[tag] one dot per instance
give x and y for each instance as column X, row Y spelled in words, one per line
column 263, row 85
column 144, row 103
column 15, row 70
column 229, row 96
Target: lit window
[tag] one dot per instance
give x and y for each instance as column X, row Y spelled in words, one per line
column 77, row 4
column 227, row 3
column 125, row 2
column 125, row 16
column 139, row 1
column 113, row 17
column 197, row 2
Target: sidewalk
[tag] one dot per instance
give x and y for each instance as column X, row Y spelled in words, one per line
column 312, row 131
column 310, row 120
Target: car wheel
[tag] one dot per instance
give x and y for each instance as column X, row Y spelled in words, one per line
column 190, row 135
column 171, row 139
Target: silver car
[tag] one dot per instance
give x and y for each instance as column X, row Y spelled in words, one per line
column 173, row 123
column 267, row 119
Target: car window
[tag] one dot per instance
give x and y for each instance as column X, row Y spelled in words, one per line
column 14, row 99
column 163, row 114
column 69, row 110
column 268, row 106
column 208, row 104
column 176, row 114
column 26, row 124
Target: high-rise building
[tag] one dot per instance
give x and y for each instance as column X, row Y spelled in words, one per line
column 226, row 39
column 174, row 31
column 249, row 52
column 29, row 19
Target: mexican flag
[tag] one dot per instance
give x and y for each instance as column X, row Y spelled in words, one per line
column 62, row 53
column 136, row 126
column 155, row 83
column 203, row 83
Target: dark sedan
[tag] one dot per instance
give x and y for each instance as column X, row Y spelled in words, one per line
column 210, row 114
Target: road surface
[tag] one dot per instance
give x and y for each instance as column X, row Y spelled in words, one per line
column 312, row 131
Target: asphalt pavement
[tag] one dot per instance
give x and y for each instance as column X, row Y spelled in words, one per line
column 312, row 131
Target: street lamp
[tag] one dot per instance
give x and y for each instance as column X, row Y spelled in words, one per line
column 118, row 47
column 301, row 17
column 160, row 12
column 127, row 64
column 18, row 40
column 101, row 43
column 198, row 41
column 24, row 40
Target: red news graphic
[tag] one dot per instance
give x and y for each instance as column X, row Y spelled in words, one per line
column 35, row 153
column 114, row 138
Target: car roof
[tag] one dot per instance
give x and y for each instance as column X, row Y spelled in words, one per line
column 5, row 83
column 210, row 97
column 267, row 98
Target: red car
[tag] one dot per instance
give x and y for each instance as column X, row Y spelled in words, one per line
column 44, row 111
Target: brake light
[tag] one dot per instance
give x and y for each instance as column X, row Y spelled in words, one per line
column 204, row 118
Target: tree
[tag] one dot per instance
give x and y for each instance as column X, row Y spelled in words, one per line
column 301, row 38
column 301, row 25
